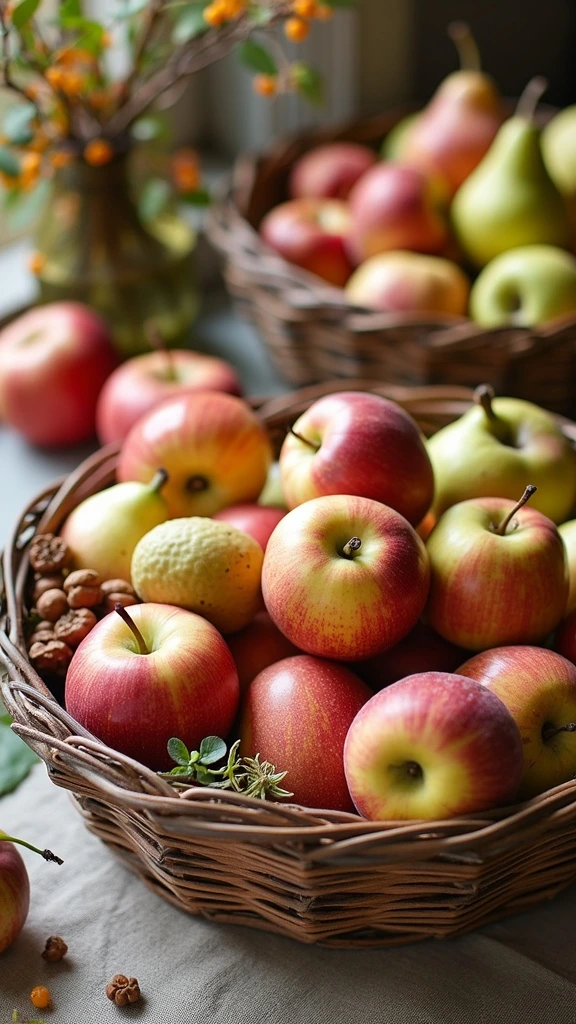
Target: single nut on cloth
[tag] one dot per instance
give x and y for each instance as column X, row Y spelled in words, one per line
column 123, row 990
column 75, row 625
column 53, row 656
column 55, row 949
column 52, row 604
column 48, row 553
column 117, row 586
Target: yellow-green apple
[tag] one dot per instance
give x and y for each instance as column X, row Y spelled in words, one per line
column 143, row 382
column 394, row 207
column 495, row 448
column 296, row 714
column 212, row 445
column 559, row 151
column 54, row 360
column 565, row 638
column 409, row 282
column 354, row 442
column 422, row 650
column 345, row 577
column 498, row 574
column 568, row 533
column 257, row 521
column 330, row 171
column 271, row 494
column 142, row 677
column 525, row 286
column 312, row 234
column 432, row 745
column 14, row 894
column 538, row 687
column 257, row 646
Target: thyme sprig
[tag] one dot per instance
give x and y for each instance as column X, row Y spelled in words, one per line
column 248, row 775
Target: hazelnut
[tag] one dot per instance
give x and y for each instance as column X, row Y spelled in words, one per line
column 52, row 604
column 111, row 600
column 72, row 627
column 82, row 578
column 44, row 583
column 53, row 656
column 54, row 949
column 83, row 588
column 117, row 587
column 42, row 636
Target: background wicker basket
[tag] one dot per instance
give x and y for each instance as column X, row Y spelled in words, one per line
column 318, row 876
column 313, row 334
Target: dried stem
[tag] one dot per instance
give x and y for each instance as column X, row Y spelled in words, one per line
column 6, row 58
column 151, row 16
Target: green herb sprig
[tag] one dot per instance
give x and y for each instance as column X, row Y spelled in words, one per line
column 248, row 775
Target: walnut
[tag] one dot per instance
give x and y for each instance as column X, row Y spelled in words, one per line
column 111, row 600
column 44, row 583
column 53, row 656
column 83, row 588
column 43, row 632
column 55, row 949
column 52, row 604
column 117, row 587
column 123, row 990
column 72, row 627
column 49, row 553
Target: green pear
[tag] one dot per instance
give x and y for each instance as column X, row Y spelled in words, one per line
column 568, row 533
column 524, row 287
column 510, row 200
column 103, row 530
column 559, row 150
column 496, row 449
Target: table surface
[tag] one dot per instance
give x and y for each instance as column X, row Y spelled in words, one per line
column 519, row 971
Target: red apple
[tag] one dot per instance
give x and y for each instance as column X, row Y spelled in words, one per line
column 498, row 574
column 354, row 442
column 296, row 714
column 568, row 533
column 565, row 638
column 330, row 171
column 422, row 650
column 410, row 282
column 257, row 646
column 538, row 687
column 212, row 445
column 311, row 233
column 433, row 745
column 394, row 207
column 134, row 694
column 54, row 360
column 14, row 894
column 344, row 577
column 257, row 521
column 144, row 381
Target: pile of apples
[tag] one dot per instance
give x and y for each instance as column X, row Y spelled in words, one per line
column 413, row 652
column 465, row 211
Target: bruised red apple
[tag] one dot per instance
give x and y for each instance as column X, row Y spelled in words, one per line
column 257, row 521
column 330, row 171
column 423, row 650
column 409, row 282
column 143, row 382
column 296, row 714
column 14, row 894
column 54, row 360
column 311, row 233
column 257, row 646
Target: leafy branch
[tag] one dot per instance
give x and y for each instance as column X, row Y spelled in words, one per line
column 246, row 775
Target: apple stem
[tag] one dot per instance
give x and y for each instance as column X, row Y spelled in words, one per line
column 548, row 733
column 353, row 545
column 468, row 52
column 47, row 854
column 529, row 99
column 501, row 529
column 311, row 444
column 132, row 625
column 483, row 396
column 158, row 480
column 157, row 341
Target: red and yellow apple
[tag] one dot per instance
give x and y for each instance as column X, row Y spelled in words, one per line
column 296, row 714
column 330, row 171
column 257, row 646
column 565, row 638
column 311, row 233
column 433, row 745
column 568, row 533
column 410, row 282
column 422, row 650
column 14, row 894
column 258, row 521
column 212, row 445
column 344, row 577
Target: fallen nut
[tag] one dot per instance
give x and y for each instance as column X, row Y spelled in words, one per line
column 123, row 990
column 52, row 604
column 53, row 656
column 72, row 627
column 48, row 553
column 126, row 600
column 55, row 949
column 117, row 587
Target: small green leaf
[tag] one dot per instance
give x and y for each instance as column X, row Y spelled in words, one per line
column 9, row 163
column 308, row 82
column 204, row 776
column 178, row 751
column 17, row 126
column 23, row 12
column 70, row 9
column 154, row 198
column 212, row 749
column 16, row 758
column 200, row 197
column 261, row 16
column 189, row 24
column 257, row 57
column 150, row 128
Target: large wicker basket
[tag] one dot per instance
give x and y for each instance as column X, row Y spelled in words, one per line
column 312, row 332
column 315, row 875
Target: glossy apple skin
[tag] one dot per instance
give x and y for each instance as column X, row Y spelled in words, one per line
column 296, row 714
column 393, row 207
column 462, row 737
column 538, row 687
column 422, row 650
column 568, row 533
column 565, row 638
column 488, row 590
column 348, row 608
column 14, row 894
column 207, row 438
column 410, row 282
column 369, row 446
column 311, row 233
column 257, row 646
column 330, row 171
column 54, row 360
column 141, row 383
column 186, row 687
column 258, row 521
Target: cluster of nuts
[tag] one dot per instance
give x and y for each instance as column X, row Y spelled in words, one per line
column 68, row 603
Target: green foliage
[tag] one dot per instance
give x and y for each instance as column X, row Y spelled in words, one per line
column 23, row 12
column 189, row 23
column 200, row 197
column 9, row 162
column 308, row 82
column 28, row 207
column 154, row 198
column 151, row 128
column 256, row 57
column 246, row 775
column 126, row 8
column 17, row 126
column 16, row 758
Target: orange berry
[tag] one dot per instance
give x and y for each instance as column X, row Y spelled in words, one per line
column 234, row 8
column 40, row 997
column 39, row 143
column 324, row 12
column 32, row 91
column 106, row 40
column 54, row 76
column 304, row 8
column 216, row 14
column 99, row 99
column 265, row 85
column 36, row 264
column 72, row 82
column 98, row 152
column 74, row 55
column 61, row 158
column 296, row 30
column 185, row 170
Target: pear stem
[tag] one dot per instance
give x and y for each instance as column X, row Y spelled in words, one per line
column 142, row 646
column 529, row 99
column 158, row 480
column 483, row 395
column 311, row 444
column 157, row 341
column 468, row 52
column 501, row 530
column 47, row 854
column 548, row 733
column 353, row 545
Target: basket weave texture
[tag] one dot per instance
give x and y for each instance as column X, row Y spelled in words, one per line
column 318, row 876
column 312, row 332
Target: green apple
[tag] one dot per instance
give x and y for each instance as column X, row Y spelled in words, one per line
column 496, row 448
column 525, row 286
column 568, row 533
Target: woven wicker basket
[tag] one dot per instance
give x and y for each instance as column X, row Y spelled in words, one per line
column 313, row 333
column 318, row 876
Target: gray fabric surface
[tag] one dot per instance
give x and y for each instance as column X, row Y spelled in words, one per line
column 520, row 971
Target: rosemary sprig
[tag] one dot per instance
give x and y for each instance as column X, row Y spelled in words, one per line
column 246, row 775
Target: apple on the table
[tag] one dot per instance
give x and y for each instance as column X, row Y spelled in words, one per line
column 312, row 234
column 14, row 894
